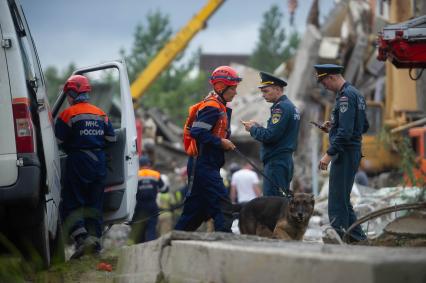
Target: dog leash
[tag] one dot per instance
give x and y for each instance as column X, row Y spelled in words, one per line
column 286, row 192
column 156, row 214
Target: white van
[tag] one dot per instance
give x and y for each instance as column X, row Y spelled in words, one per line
column 30, row 162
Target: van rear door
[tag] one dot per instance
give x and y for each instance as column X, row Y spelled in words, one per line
column 37, row 88
column 111, row 92
column 8, row 167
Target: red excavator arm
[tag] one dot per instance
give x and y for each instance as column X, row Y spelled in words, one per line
column 404, row 43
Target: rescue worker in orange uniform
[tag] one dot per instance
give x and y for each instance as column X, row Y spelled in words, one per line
column 145, row 218
column 207, row 196
column 83, row 130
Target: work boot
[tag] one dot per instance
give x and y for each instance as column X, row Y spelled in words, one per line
column 92, row 245
column 330, row 236
column 79, row 246
column 351, row 240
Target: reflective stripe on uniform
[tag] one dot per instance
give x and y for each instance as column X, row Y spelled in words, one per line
column 77, row 232
column 202, row 125
column 111, row 138
column 90, row 154
column 150, row 178
column 81, row 117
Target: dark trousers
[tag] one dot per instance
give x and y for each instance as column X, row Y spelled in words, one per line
column 82, row 196
column 340, row 210
column 280, row 171
column 146, row 218
column 208, row 198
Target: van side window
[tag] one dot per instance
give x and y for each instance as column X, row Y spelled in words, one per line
column 105, row 94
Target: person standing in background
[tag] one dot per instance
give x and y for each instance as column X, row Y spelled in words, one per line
column 245, row 185
column 348, row 123
column 279, row 138
column 83, row 130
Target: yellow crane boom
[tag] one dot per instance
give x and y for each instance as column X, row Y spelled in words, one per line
column 163, row 59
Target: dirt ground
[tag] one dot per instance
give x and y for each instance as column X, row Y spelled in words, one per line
column 390, row 240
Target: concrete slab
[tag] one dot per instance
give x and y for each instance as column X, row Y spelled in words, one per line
column 410, row 225
column 219, row 257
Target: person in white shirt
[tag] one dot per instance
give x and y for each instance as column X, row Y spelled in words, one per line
column 245, row 185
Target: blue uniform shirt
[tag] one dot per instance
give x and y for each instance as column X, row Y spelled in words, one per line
column 280, row 135
column 83, row 126
column 348, row 120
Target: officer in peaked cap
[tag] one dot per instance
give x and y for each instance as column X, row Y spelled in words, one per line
column 278, row 138
column 348, row 123
column 268, row 79
column 324, row 70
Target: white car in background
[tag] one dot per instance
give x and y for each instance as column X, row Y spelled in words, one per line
column 30, row 162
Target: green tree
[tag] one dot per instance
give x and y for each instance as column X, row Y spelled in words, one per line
column 174, row 90
column 148, row 40
column 272, row 47
column 55, row 80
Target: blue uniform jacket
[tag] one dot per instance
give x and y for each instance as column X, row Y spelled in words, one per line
column 280, row 135
column 83, row 129
column 348, row 120
column 149, row 184
column 83, row 126
column 211, row 153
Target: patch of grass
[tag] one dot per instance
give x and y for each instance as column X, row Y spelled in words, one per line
column 81, row 270
column 13, row 269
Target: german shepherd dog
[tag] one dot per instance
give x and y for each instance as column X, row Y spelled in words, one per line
column 277, row 217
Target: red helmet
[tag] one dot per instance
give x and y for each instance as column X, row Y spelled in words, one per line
column 78, row 84
column 226, row 75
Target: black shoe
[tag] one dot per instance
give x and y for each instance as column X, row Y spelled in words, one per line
column 353, row 240
column 92, row 245
column 79, row 247
column 88, row 246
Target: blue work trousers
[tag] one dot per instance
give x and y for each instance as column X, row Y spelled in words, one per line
column 82, row 196
column 145, row 221
column 208, row 198
column 280, row 171
column 340, row 210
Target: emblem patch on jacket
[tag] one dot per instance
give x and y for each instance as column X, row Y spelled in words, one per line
column 296, row 115
column 343, row 107
column 276, row 117
column 361, row 103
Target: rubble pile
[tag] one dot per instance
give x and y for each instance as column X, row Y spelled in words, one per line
column 346, row 38
column 366, row 200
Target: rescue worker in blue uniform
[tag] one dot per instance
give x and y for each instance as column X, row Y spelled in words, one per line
column 279, row 138
column 83, row 130
column 348, row 123
column 145, row 218
column 207, row 196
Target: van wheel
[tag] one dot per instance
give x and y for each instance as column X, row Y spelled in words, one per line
column 36, row 239
column 57, row 245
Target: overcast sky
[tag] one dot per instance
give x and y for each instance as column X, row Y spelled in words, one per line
column 88, row 32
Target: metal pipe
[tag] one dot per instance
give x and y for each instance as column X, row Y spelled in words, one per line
column 409, row 125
